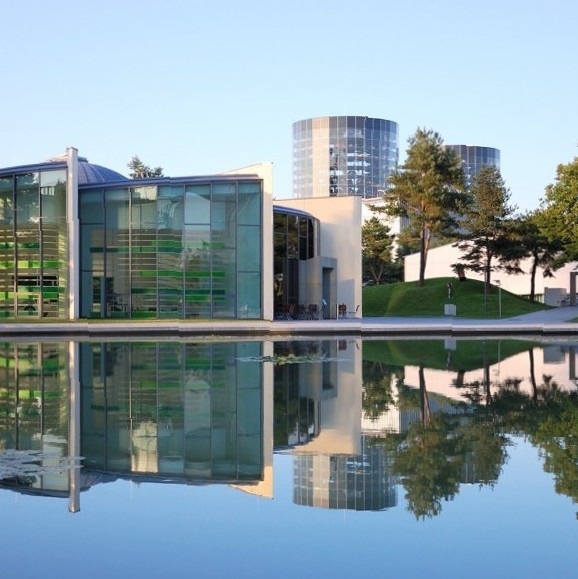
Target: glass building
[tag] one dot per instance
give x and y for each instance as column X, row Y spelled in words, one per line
column 296, row 241
column 164, row 247
column 80, row 240
column 475, row 158
column 343, row 156
column 33, row 241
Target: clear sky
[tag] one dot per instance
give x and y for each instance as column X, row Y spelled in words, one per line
column 200, row 87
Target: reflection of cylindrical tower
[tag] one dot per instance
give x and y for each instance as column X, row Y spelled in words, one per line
column 361, row 483
column 475, row 158
column 343, row 156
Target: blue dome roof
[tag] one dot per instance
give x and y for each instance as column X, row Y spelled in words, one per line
column 89, row 174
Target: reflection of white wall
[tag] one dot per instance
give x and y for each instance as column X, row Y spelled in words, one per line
column 339, row 427
column 440, row 260
column 555, row 362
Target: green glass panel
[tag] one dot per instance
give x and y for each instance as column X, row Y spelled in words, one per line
column 6, row 201
column 27, row 199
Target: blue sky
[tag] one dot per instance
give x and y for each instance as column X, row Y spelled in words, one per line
column 201, row 87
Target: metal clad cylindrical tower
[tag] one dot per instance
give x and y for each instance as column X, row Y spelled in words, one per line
column 343, row 156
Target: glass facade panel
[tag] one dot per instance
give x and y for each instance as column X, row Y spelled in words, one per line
column 198, row 204
column 249, row 292
column 91, row 208
column 173, row 250
column 171, row 254
column 295, row 239
column 7, row 247
column 341, row 156
column 117, row 247
column 249, row 211
column 6, row 201
column 196, row 263
column 53, row 197
column 33, row 244
column 28, row 256
column 249, row 244
column 143, row 264
column 475, row 158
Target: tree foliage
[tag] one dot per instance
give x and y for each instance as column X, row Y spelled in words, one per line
column 428, row 190
column 378, row 382
column 544, row 251
column 487, row 224
column 377, row 248
column 138, row 170
column 560, row 209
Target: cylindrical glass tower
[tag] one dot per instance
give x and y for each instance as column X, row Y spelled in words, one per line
column 474, row 158
column 343, row 156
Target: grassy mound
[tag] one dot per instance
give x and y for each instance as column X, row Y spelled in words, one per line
column 408, row 299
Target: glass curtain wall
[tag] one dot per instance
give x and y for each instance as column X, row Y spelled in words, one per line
column 33, row 245
column 474, row 158
column 343, row 156
column 166, row 251
column 295, row 239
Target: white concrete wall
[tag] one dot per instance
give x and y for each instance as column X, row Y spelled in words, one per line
column 340, row 219
column 440, row 260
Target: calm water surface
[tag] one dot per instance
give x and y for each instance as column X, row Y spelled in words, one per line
column 329, row 458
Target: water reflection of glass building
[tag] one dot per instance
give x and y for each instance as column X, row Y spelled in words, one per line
column 183, row 410
column 162, row 411
column 360, row 482
column 343, row 156
column 475, row 158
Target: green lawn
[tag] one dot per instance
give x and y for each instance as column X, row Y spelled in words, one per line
column 431, row 353
column 408, row 299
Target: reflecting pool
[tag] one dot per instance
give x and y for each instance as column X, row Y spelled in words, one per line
column 306, row 458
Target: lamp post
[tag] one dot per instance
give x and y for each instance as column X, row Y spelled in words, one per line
column 499, row 284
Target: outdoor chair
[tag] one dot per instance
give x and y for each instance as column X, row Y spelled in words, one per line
column 353, row 314
column 314, row 313
column 288, row 312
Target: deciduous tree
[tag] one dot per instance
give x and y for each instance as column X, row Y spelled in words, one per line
column 560, row 209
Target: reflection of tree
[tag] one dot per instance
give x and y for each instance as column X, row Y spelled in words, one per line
column 557, row 438
column 442, row 448
column 447, row 445
column 378, row 380
column 429, row 466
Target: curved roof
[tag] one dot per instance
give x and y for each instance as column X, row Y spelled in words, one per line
column 89, row 173
column 291, row 210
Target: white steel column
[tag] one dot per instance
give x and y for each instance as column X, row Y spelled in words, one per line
column 73, row 231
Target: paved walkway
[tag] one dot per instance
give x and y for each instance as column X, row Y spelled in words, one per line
column 549, row 322
column 553, row 321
